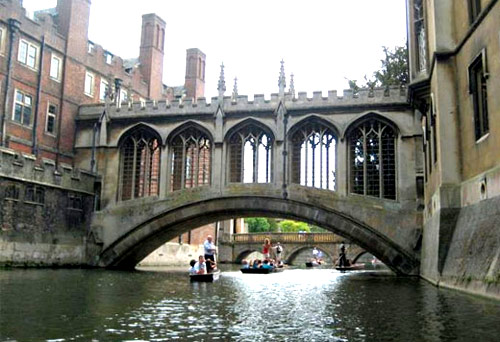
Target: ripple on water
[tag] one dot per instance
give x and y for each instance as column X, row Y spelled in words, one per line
column 296, row 305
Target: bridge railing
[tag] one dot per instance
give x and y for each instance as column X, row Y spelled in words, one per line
column 310, row 238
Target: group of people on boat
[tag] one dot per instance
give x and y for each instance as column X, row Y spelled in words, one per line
column 317, row 257
column 206, row 263
column 268, row 251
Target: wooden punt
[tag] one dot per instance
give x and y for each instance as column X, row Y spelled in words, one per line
column 207, row 277
column 350, row 268
column 261, row 270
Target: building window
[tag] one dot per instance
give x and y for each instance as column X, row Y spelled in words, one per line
column 474, row 9
column 75, row 201
column 109, row 57
column 420, row 35
column 372, row 153
column 313, row 155
column 89, row 84
column 12, row 192
column 27, row 54
column 250, row 155
column 55, row 68
column 3, row 34
column 34, row 194
column 123, row 95
column 90, row 47
column 478, row 90
column 22, row 108
column 191, row 159
column 103, row 90
column 139, row 164
column 50, row 126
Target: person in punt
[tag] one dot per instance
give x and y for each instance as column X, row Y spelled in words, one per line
column 210, row 250
column 266, row 248
column 192, row 270
column 245, row 264
column 200, row 267
column 266, row 265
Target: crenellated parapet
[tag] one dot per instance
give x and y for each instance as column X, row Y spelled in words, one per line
column 241, row 104
column 24, row 167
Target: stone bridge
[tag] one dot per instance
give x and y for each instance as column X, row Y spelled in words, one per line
column 347, row 164
column 237, row 247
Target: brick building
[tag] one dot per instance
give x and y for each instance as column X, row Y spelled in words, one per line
column 48, row 68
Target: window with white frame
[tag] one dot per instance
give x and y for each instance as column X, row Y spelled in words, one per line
column 23, row 108
column 123, row 95
column 55, row 68
column 109, row 57
column 90, row 47
column 103, row 90
column 2, row 40
column 89, row 84
column 28, row 53
column 50, row 126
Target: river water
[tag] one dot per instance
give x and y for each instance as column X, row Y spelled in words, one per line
column 295, row 305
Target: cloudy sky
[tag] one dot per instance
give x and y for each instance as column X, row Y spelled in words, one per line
column 321, row 41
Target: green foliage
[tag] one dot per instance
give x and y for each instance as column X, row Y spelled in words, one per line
column 258, row 225
column 269, row 225
column 289, row 226
column 316, row 229
column 393, row 72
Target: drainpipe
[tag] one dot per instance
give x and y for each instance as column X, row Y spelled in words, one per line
column 34, row 146
column 14, row 26
column 61, row 100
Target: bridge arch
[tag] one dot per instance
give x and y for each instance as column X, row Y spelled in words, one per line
column 135, row 244
column 296, row 251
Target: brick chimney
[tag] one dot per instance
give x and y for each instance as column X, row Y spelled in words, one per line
column 195, row 74
column 151, row 54
column 73, row 23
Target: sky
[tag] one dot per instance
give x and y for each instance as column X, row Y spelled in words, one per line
column 322, row 42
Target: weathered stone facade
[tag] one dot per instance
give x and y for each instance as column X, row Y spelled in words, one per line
column 45, row 213
column 455, row 68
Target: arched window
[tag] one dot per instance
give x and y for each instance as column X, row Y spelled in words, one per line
column 372, row 146
column 139, row 165
column 313, row 155
column 191, row 159
column 250, row 151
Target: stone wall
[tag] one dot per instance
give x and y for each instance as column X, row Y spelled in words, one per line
column 461, row 246
column 44, row 213
column 173, row 254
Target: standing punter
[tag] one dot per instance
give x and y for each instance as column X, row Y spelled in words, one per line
column 209, row 253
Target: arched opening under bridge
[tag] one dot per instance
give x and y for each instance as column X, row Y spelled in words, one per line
column 137, row 243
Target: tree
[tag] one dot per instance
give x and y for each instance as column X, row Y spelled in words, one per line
column 289, row 226
column 394, row 71
column 259, row 225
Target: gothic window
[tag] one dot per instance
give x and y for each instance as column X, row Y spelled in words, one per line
column 313, row 156
column 191, row 159
column 12, row 192
column 34, row 194
column 139, row 165
column 372, row 146
column 478, row 90
column 420, row 35
column 250, row 151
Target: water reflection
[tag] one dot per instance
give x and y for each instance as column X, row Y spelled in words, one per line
column 296, row 305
